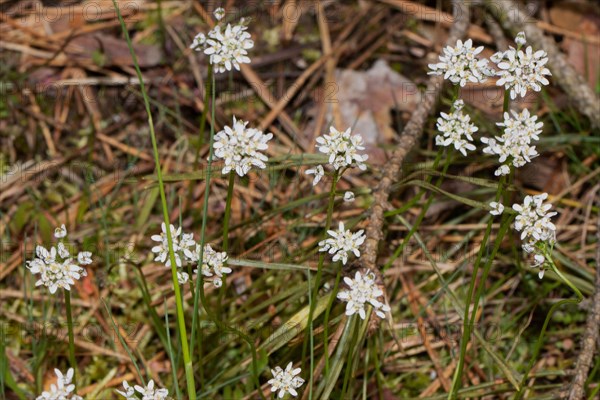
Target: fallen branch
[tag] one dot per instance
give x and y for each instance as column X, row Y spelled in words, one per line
column 590, row 336
column 514, row 19
column 409, row 137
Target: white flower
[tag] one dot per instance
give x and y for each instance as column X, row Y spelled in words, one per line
column 533, row 221
column 342, row 242
column 520, row 39
column 502, row 170
column 84, row 257
column 460, row 64
column 241, row 147
column 456, row 129
column 285, row 380
column 199, row 41
column 162, row 249
column 55, row 271
column 186, row 242
column 219, row 13
column 182, row 277
column 349, row 197
column 497, row 208
column 318, row 171
column 148, row 392
column 227, row 48
column 540, row 261
column 62, row 389
column 61, row 232
column 45, row 255
column 129, row 392
column 515, row 145
column 342, row 149
column 363, row 290
column 521, row 70
column 214, row 264
column 62, row 250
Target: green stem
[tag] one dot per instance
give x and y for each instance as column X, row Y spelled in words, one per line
column 455, row 93
column 326, row 318
column 315, row 291
column 486, row 269
column 188, row 365
column 353, row 346
column 207, row 92
column 72, row 360
column 226, row 329
column 195, row 320
column 456, row 380
column 506, row 219
column 540, row 341
column 228, row 211
column 171, row 355
column 506, row 103
column 225, row 246
column 561, row 276
column 594, row 393
column 199, row 295
column 199, row 280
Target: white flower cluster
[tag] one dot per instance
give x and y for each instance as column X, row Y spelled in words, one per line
column 342, row 242
column 514, row 146
column 342, row 148
column 460, row 64
column 240, row 147
column 181, row 244
column 62, row 389
column 148, row 392
column 186, row 249
column 285, row 381
column 533, row 221
column 56, row 267
column 227, row 47
column 456, row 129
column 521, row 70
column 363, row 291
column 213, row 264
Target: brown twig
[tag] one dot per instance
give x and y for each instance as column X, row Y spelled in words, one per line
column 591, row 334
column 513, row 18
column 412, row 132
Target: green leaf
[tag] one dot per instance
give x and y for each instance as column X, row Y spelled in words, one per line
column 263, row 360
column 277, row 266
column 338, row 361
column 45, row 228
column 294, row 326
column 147, row 207
column 21, row 216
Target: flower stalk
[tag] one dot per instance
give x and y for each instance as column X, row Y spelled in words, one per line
column 72, row 360
column 315, row 290
column 188, row 364
column 228, row 211
column 456, row 380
